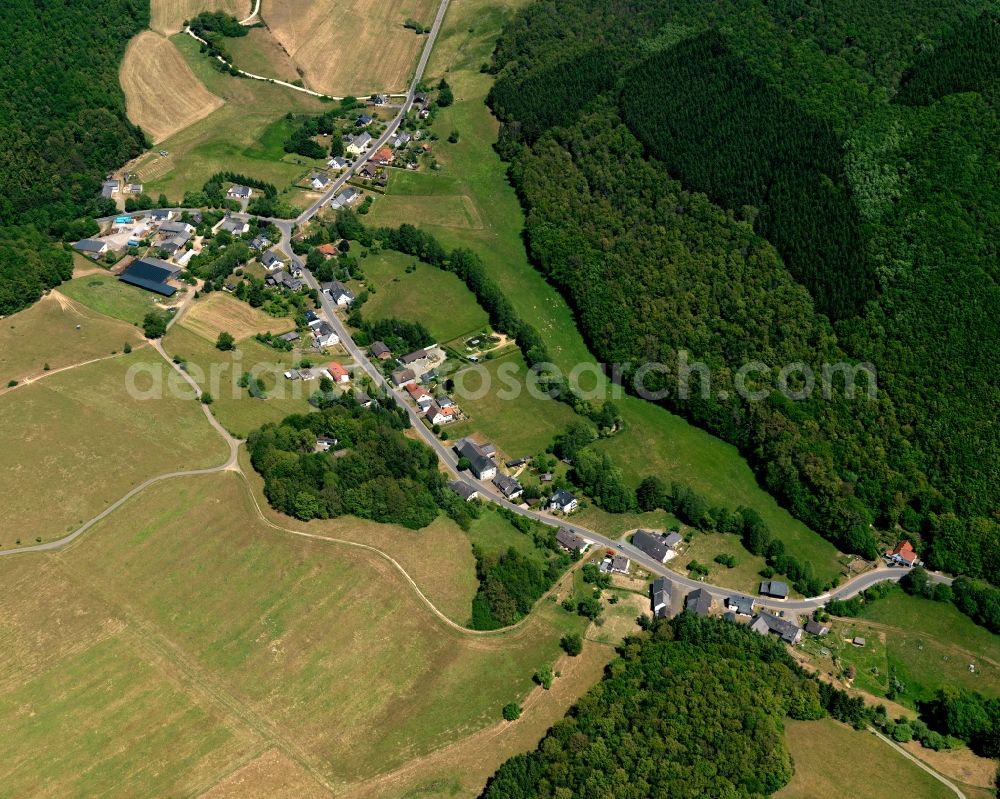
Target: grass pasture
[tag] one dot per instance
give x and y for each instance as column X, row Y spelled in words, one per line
column 494, row 396
column 162, row 94
column 219, row 372
column 437, row 299
column 107, row 295
column 833, row 761
column 295, row 624
column 167, row 16
column 79, row 441
column 46, row 333
column 260, row 53
column 217, row 312
column 350, row 47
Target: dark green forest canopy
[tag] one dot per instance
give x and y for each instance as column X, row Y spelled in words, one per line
column 844, row 203
column 64, row 127
column 691, row 710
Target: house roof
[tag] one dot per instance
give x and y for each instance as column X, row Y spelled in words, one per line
column 765, row 623
column 509, row 486
column 401, row 376
column 240, row 191
column 463, row 489
column 383, row 154
column 474, row 453
column 292, row 335
column 904, row 551
column 774, row 588
column 741, row 604
column 418, row 355
column 417, row 392
column 379, row 348
column 328, row 249
column 336, row 289
column 151, row 274
column 570, row 540
column 660, row 593
column 175, row 227
column 699, row 602
column 650, row 543
column 269, row 259
column 90, row 245
column 814, row 627
column 337, row 370
column 672, row 539
column 562, row 497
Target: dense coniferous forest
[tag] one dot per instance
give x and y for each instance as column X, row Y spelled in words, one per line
column 786, row 182
column 693, row 708
column 64, row 128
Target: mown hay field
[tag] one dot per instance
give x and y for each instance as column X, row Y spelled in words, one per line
column 168, row 16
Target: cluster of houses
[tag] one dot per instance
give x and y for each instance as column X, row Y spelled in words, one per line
column 665, row 602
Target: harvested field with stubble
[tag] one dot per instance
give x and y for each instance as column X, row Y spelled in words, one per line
column 167, row 16
column 350, row 46
column 246, row 653
column 217, row 312
column 162, row 94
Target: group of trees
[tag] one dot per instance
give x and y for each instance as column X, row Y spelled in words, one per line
column 214, row 27
column 383, row 476
column 966, row 715
column 64, row 128
column 841, row 227
column 689, row 694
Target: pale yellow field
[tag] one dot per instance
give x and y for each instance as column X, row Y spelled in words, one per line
column 260, row 53
column 350, row 46
column 219, row 312
column 162, row 94
column 167, row 16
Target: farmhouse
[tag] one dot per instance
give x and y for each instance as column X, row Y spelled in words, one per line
column 699, row 602
column 110, row 188
column 508, row 486
column 741, row 605
column 91, row 247
column 151, row 274
column 768, row 624
column 402, row 377
column 324, row 335
column 903, row 555
column 239, row 192
column 652, row 544
column 381, row 351
column 774, row 588
column 339, row 293
column 563, row 501
column 661, row 597
column 569, row 540
column 465, row 491
column 480, row 462
column 338, row 372
column 161, row 214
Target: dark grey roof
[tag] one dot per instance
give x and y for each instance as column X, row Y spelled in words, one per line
column 90, row 245
column 774, row 588
column 418, row 355
column 562, row 497
column 660, row 593
column 672, row 539
column 741, row 604
column 480, row 461
column 767, row 623
column 699, row 602
column 240, row 191
column 814, row 627
column 268, row 259
column 175, row 227
column 401, row 376
column 151, row 274
column 463, row 489
column 570, row 540
column 650, row 543
column 379, row 348
column 509, row 486
column 292, row 335
column 336, row 290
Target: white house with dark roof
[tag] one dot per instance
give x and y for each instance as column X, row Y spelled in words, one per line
column 661, row 596
column 563, row 501
column 768, row 624
column 508, row 486
column 652, row 544
column 239, row 192
column 92, row 247
column 569, row 540
column 480, row 463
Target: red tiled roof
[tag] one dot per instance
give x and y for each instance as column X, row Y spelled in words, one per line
column 904, row 551
column 337, row 370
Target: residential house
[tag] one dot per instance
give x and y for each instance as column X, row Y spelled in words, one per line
column 620, row 564
column 814, row 627
column 324, row 335
column 420, row 395
column 339, row 293
column 699, row 602
column 338, row 163
column 381, row 351
column 161, row 214
column 338, row 372
column 362, row 121
column 325, row 444
column 169, row 228
column 271, row 261
column 563, row 501
column 110, row 188
column 235, row 226
column 403, row 377
column 661, row 591
column 369, row 171
column 349, row 195
column 312, row 318
column 652, row 544
column 570, row 541
column 328, row 250
column 260, row 243
column 741, row 605
column 769, row 624
column 318, row 181
column 774, row 588
column 903, row 555
column 480, row 462
column 173, row 245
column 383, row 156
column 508, row 486
column 363, row 399
column 284, row 280
column 463, row 489
column 438, row 415
column 415, row 359
column 402, row 139
column 239, row 193
column 356, row 145
column 92, row 247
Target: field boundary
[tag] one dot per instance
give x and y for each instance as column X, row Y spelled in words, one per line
column 939, row 777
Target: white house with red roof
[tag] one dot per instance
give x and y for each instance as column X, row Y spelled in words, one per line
column 438, row 415
column 903, row 555
column 338, row 372
column 420, row 395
